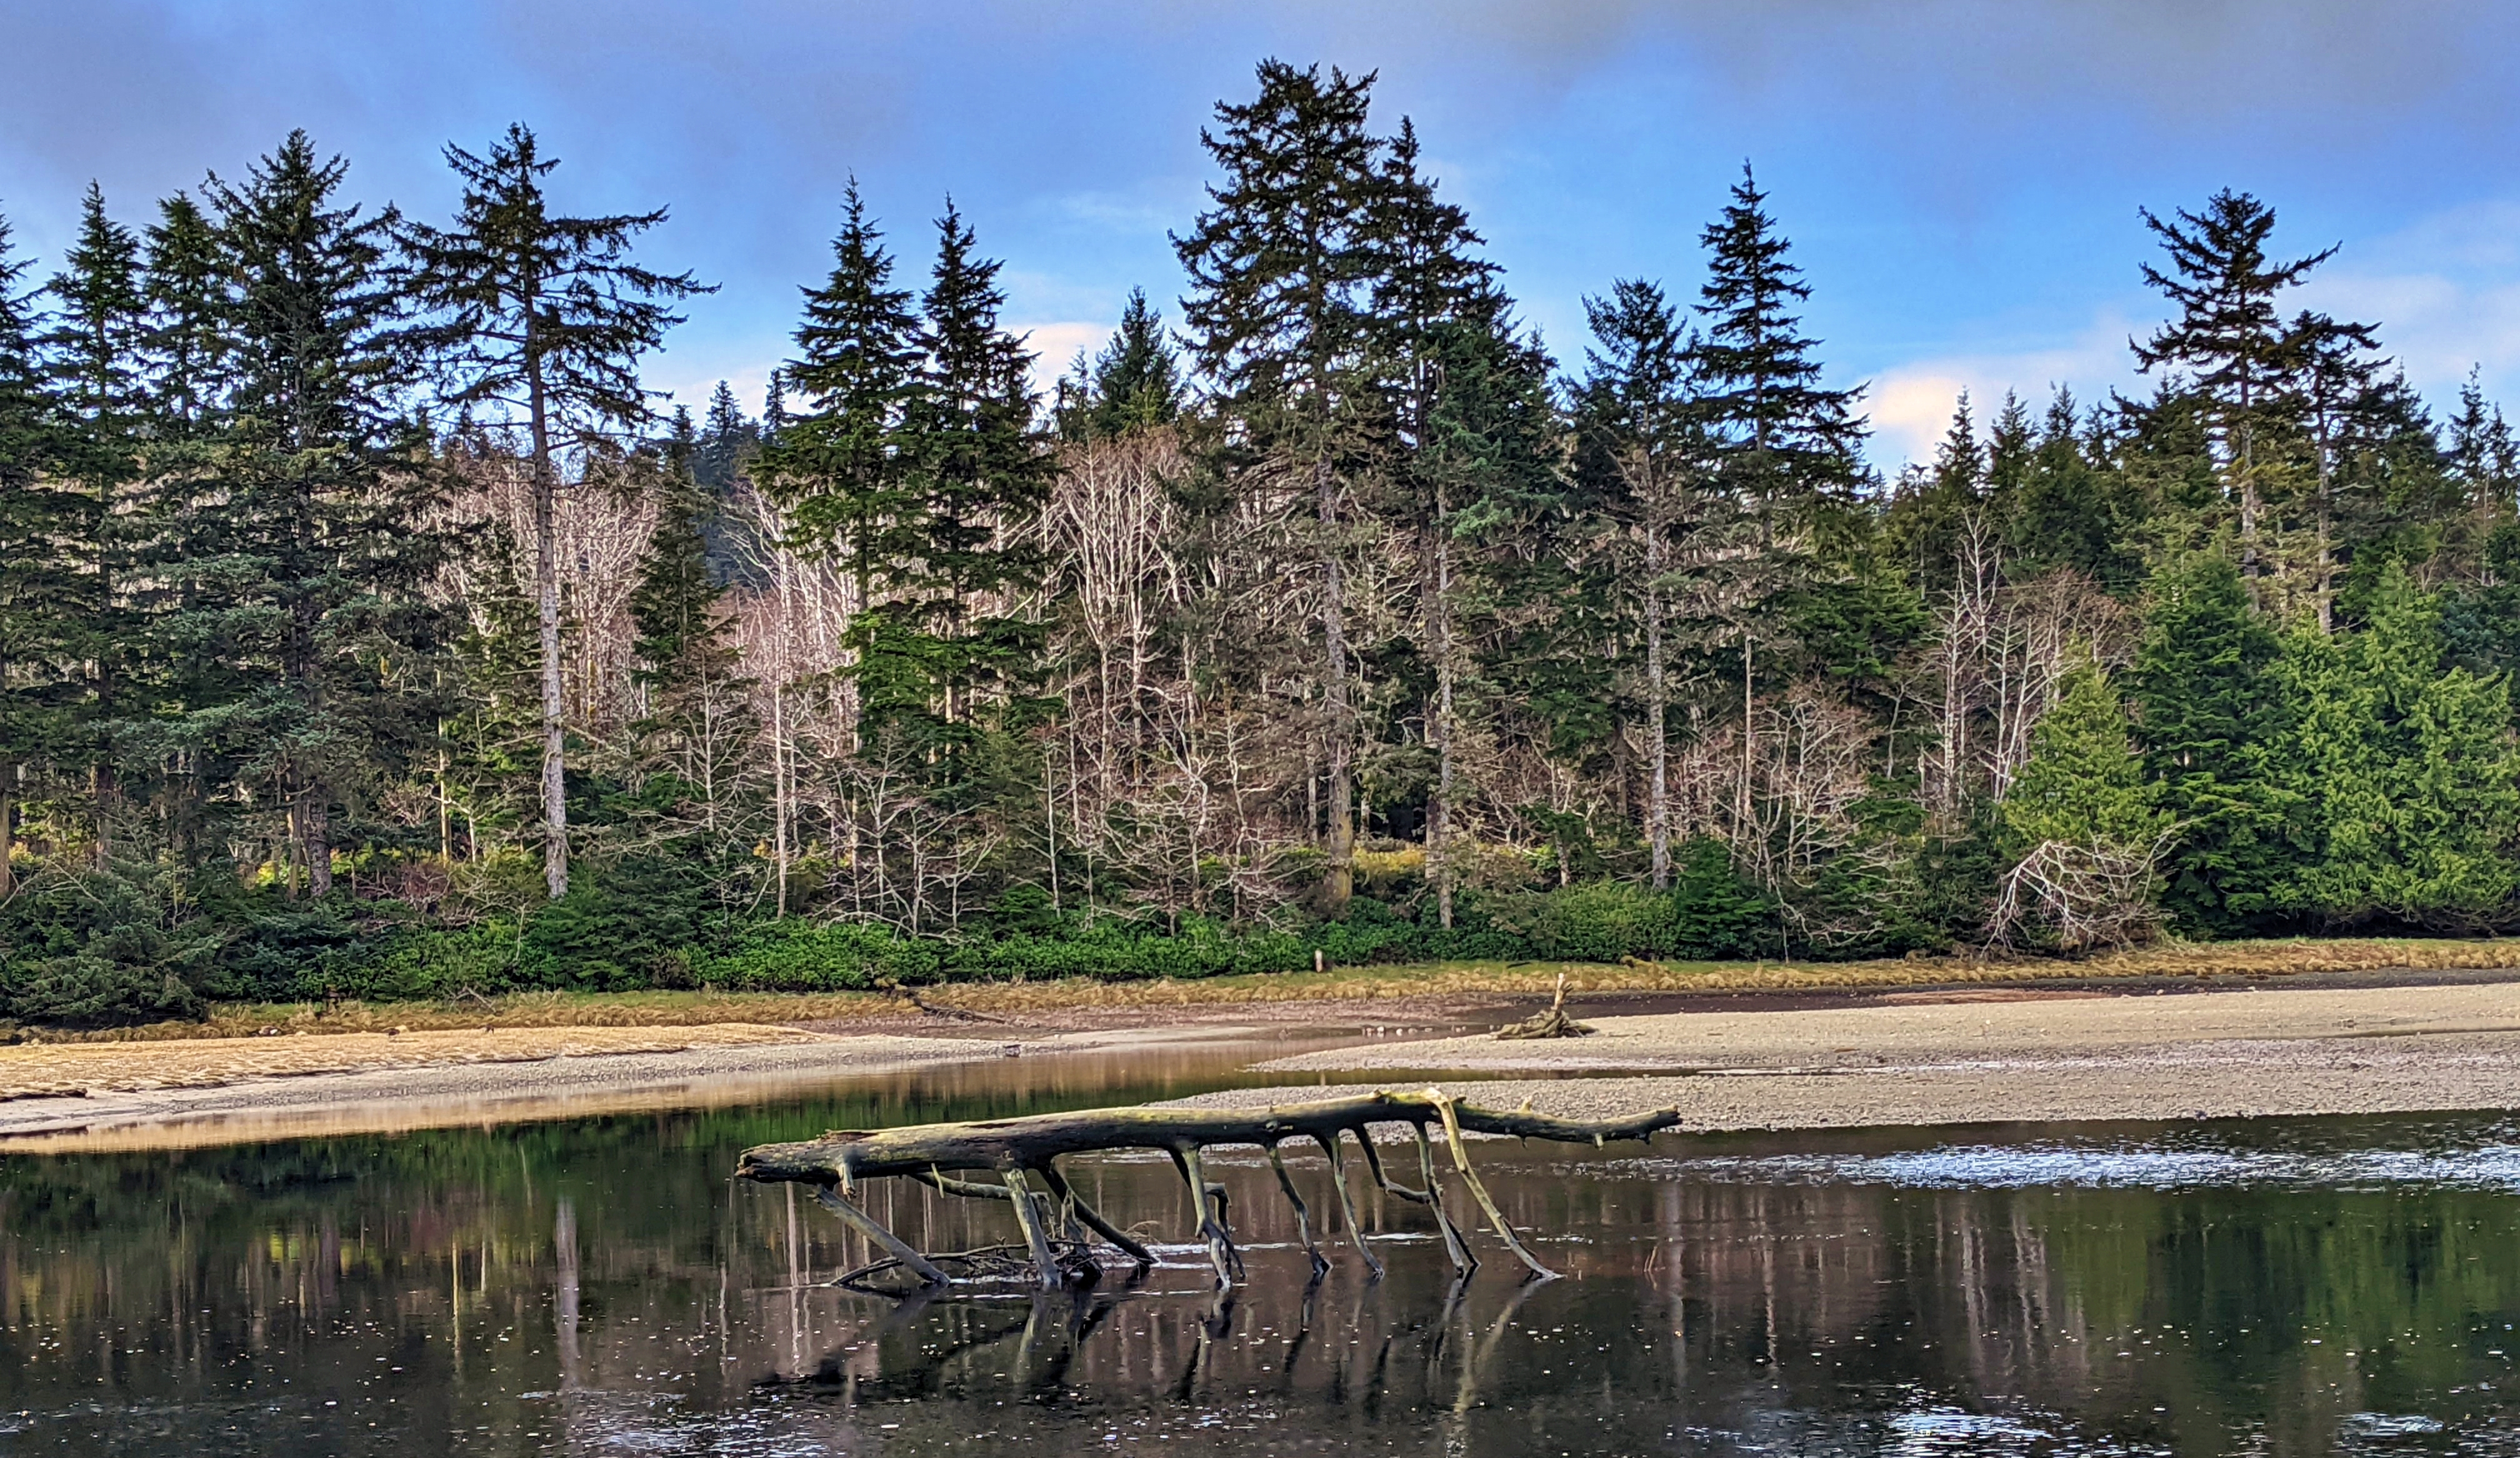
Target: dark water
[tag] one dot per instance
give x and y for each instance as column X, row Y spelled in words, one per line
column 599, row 1285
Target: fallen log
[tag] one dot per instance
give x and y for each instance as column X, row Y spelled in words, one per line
column 1024, row 1154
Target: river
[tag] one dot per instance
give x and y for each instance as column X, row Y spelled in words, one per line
column 600, row 1285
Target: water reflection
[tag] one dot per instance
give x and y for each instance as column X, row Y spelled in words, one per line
column 2319, row 1287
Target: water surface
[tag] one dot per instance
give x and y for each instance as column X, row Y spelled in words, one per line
column 599, row 1285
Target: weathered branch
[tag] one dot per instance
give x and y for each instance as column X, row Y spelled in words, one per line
column 1023, row 1152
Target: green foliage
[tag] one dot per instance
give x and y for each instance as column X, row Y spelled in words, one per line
column 2083, row 786
column 2406, row 778
column 2209, row 721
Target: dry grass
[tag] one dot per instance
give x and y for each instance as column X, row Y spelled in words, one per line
column 518, row 1010
column 2248, row 959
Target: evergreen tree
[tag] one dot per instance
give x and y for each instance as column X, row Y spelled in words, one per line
column 36, row 585
column 841, row 468
column 1283, row 320
column 1487, row 463
column 185, row 345
column 2083, row 784
column 2230, row 345
column 981, row 476
column 300, row 581
column 1937, row 517
column 2484, row 455
column 2072, row 507
column 1679, row 537
column 1438, row 310
column 2081, row 822
column 2406, row 778
column 547, row 317
column 2208, row 718
column 94, row 353
column 1786, row 449
column 697, row 731
column 1133, row 383
column 1788, row 444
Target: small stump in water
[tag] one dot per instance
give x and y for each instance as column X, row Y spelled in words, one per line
column 1060, row 1230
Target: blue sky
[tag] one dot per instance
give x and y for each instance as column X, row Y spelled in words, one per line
column 1961, row 177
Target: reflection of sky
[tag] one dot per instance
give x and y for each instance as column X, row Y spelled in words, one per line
column 1985, row 1166
column 1962, row 176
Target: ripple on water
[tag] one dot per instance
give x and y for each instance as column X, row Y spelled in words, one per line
column 2492, row 1167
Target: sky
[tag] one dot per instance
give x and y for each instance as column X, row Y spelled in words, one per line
column 1963, row 179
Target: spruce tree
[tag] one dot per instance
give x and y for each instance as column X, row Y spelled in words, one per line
column 1282, row 318
column 2209, row 716
column 93, row 351
column 980, row 474
column 2073, row 508
column 546, row 317
column 185, row 343
column 1787, row 449
column 1936, row 515
column 2230, row 345
column 840, row 469
column 1135, row 382
column 1677, row 536
column 298, row 582
column 2484, row 455
column 1448, row 342
column 2406, row 778
column 1789, row 446
column 697, row 731
column 36, row 583
column 2083, row 786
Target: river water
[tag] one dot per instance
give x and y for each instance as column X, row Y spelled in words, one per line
column 599, row 1285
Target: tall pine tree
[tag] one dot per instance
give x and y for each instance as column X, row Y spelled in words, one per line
column 1283, row 320
column 547, row 317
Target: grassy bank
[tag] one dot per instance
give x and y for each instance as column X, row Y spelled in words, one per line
column 1016, row 1000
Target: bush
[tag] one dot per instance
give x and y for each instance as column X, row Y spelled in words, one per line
column 99, row 950
column 805, row 957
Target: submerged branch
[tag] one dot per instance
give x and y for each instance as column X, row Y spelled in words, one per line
column 1023, row 1154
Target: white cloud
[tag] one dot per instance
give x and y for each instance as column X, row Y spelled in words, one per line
column 2444, row 292
column 1910, row 404
column 1055, row 344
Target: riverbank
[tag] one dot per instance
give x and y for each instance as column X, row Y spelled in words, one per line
column 2264, row 1028
column 168, row 1095
column 1077, row 1003
column 2032, row 1057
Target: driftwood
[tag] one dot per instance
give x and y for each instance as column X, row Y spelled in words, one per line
column 1554, row 1023
column 1058, row 1225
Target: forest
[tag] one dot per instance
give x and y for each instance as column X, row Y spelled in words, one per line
column 368, row 631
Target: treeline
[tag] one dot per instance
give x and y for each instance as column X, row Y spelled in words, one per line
column 363, row 630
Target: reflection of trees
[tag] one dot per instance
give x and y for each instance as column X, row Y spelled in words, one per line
column 1732, row 1307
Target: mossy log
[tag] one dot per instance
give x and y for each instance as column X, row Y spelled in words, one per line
column 1054, row 1221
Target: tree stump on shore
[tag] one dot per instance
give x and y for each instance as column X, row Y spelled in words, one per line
column 1059, row 1228
column 1554, row 1023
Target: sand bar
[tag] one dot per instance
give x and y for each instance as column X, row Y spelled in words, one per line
column 192, row 1093
column 2027, row 1059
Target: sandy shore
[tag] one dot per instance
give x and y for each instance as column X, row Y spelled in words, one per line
column 168, row 1094
column 2028, row 1059
column 1942, row 1057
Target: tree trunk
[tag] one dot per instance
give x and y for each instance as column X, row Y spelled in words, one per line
column 1439, row 729
column 1747, row 739
column 547, row 611
column 1338, row 879
column 1658, row 788
column 317, row 826
column 779, row 786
